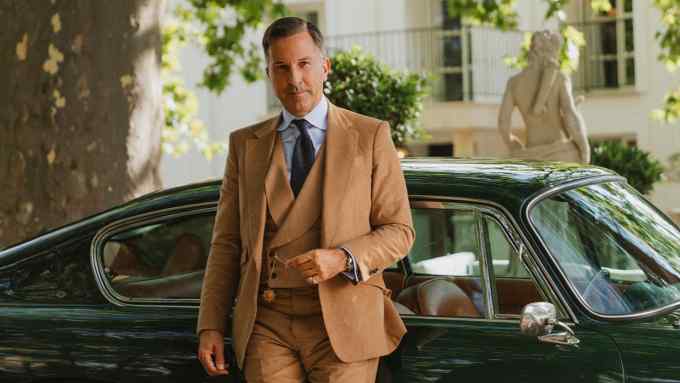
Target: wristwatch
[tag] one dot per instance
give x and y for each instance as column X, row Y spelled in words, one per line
column 349, row 263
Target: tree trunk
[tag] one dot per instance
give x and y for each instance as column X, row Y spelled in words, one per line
column 80, row 109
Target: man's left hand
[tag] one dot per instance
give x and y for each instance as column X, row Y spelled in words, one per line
column 320, row 264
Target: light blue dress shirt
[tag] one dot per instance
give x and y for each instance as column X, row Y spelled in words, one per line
column 318, row 117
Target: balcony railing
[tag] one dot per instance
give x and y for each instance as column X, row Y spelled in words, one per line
column 466, row 64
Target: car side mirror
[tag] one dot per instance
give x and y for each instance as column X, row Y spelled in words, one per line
column 538, row 319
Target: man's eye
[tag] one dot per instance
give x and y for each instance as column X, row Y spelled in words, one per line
column 305, row 64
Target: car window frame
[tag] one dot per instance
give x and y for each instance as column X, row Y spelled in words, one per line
column 575, row 184
column 519, row 241
column 128, row 223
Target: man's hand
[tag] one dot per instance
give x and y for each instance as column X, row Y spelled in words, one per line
column 320, row 264
column 212, row 344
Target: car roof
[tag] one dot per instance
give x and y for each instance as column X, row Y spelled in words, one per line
column 509, row 183
column 496, row 180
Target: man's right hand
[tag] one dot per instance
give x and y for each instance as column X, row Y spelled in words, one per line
column 211, row 344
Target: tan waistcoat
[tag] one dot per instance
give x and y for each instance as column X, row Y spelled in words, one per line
column 285, row 211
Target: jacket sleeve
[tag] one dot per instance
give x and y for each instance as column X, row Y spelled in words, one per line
column 392, row 231
column 222, row 270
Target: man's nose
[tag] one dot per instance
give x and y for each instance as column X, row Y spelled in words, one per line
column 295, row 76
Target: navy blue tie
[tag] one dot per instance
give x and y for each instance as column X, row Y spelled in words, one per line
column 303, row 156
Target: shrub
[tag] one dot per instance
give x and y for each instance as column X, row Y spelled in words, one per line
column 362, row 84
column 641, row 170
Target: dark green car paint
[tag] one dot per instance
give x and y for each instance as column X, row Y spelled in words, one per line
column 98, row 341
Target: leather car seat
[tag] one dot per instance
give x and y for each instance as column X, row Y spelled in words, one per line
column 438, row 297
column 188, row 256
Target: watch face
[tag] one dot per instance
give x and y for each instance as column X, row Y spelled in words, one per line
column 349, row 265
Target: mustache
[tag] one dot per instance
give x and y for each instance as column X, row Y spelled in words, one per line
column 295, row 89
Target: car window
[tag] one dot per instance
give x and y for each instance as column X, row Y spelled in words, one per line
column 617, row 251
column 445, row 262
column 159, row 260
column 513, row 286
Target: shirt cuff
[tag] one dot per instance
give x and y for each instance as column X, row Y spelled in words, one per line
column 353, row 274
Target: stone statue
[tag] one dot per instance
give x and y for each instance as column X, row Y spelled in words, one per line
column 554, row 128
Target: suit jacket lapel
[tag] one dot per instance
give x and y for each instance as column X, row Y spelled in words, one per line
column 257, row 160
column 341, row 145
column 280, row 196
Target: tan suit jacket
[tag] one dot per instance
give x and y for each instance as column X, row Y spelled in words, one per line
column 364, row 208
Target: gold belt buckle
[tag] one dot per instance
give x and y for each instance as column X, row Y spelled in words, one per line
column 268, row 295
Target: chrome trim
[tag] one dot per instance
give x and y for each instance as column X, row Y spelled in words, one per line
column 513, row 321
column 534, row 266
column 486, row 268
column 146, row 218
column 521, row 251
column 540, row 196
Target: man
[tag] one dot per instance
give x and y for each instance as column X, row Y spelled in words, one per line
column 313, row 206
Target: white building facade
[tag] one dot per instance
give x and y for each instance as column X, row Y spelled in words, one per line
column 619, row 77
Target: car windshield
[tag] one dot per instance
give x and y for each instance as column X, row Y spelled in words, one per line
column 617, row 250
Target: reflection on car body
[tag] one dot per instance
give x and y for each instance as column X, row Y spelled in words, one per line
column 588, row 267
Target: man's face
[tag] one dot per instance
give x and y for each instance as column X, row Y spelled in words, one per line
column 297, row 70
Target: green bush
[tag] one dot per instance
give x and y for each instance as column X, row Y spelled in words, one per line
column 360, row 83
column 641, row 170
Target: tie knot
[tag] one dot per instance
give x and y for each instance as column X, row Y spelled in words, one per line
column 301, row 124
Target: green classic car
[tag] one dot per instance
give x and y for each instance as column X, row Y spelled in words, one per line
column 520, row 272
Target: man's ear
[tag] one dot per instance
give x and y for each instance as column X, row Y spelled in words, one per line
column 266, row 70
column 326, row 67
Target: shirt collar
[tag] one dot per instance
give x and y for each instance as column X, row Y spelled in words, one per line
column 316, row 116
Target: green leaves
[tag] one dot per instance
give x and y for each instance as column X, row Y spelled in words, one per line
column 641, row 170
column 220, row 27
column 669, row 40
column 497, row 13
column 360, row 83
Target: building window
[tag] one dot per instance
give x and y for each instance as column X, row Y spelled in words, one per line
column 608, row 60
column 454, row 84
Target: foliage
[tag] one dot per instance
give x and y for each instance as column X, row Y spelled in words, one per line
column 497, row 13
column 641, row 170
column 669, row 40
column 362, row 84
column 220, row 28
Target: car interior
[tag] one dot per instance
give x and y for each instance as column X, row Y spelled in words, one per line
column 441, row 276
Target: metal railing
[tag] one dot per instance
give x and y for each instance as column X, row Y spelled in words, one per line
column 466, row 64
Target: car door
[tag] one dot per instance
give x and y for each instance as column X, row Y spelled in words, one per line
column 151, row 270
column 465, row 286
column 117, row 307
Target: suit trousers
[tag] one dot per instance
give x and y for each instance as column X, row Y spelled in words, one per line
column 289, row 343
